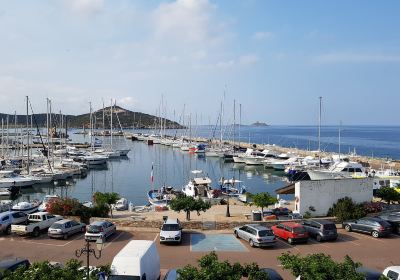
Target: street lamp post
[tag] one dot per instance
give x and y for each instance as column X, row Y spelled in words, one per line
column 88, row 250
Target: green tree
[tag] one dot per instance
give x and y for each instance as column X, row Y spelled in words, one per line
column 188, row 204
column 346, row 209
column 211, row 268
column 262, row 200
column 106, row 199
column 388, row 194
column 46, row 271
column 320, row 267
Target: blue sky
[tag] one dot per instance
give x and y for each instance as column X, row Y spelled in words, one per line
column 273, row 57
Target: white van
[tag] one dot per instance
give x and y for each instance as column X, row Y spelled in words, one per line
column 138, row 260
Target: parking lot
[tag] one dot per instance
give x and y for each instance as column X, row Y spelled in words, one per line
column 374, row 253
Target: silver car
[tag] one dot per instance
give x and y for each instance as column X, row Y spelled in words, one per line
column 65, row 228
column 256, row 235
column 100, row 229
column 9, row 218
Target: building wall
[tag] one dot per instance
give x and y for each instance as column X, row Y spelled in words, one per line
column 322, row 194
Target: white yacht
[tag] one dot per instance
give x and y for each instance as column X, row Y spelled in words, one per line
column 46, row 201
column 200, row 187
column 9, row 178
column 240, row 158
column 95, row 159
column 339, row 170
column 258, row 158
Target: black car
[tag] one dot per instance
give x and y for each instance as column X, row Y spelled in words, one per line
column 393, row 218
column 12, row 265
column 377, row 227
column 273, row 275
column 321, row 230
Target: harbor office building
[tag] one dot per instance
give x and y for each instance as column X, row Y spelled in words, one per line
column 318, row 196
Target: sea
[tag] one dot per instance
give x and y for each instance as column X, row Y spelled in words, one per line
column 131, row 176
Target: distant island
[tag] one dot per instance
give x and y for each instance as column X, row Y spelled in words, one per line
column 121, row 117
column 259, row 124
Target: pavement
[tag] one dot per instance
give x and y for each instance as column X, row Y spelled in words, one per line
column 371, row 252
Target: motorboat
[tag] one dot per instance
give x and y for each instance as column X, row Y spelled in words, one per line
column 200, row 187
column 161, row 197
column 339, row 170
column 9, row 178
column 123, row 152
column 46, row 200
column 121, row 204
column 258, row 158
column 239, row 158
column 95, row 159
column 26, row 207
column 231, row 187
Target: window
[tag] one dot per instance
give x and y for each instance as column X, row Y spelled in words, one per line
column 74, row 223
column 67, row 225
column 5, row 218
column 315, row 225
column 279, row 226
column 170, row 227
column 263, row 233
column 351, row 170
column 329, row 227
column 298, row 230
column 18, row 215
column 44, row 218
column 358, row 170
column 392, row 275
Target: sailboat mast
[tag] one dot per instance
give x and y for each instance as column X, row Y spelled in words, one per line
column 27, row 133
column 340, row 136
column 319, row 124
column 111, row 126
column 240, row 121
column 234, row 123
column 2, row 137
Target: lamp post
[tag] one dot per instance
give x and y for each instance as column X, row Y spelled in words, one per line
column 88, row 250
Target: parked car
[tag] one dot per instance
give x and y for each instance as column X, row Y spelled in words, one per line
column 392, row 272
column 321, row 230
column 371, row 225
column 9, row 218
column 393, row 218
column 36, row 223
column 12, row 264
column 290, row 231
column 256, row 235
column 65, row 228
column 139, row 259
column 281, row 211
column 273, row 275
column 171, row 231
column 172, row 274
column 100, row 229
column 370, row 274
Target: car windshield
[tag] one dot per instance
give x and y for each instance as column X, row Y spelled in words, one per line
column 329, row 227
column 94, row 229
column 56, row 226
column 170, row 227
column 298, row 230
column 266, row 232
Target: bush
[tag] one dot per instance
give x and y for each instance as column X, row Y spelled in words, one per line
column 373, row 207
column 346, row 209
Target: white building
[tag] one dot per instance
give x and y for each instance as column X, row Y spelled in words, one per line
column 321, row 195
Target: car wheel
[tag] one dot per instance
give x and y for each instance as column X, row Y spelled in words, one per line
column 347, row 228
column 375, row 234
column 36, row 232
column 65, row 236
column 8, row 230
column 318, row 238
column 236, row 234
column 290, row 240
column 251, row 243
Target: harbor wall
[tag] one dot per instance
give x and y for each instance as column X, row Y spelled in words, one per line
column 322, row 194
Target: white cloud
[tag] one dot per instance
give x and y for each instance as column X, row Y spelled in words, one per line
column 261, row 35
column 248, row 59
column 127, row 102
column 351, row 57
column 188, row 21
column 85, row 7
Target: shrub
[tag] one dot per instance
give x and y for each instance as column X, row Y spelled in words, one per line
column 346, row 209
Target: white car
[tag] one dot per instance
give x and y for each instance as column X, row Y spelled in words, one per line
column 392, row 272
column 171, row 231
column 11, row 217
column 100, row 229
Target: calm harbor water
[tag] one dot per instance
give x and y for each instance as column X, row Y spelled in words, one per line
column 130, row 176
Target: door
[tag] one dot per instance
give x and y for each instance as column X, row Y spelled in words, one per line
column 242, row 232
column 75, row 227
column 361, row 225
column 19, row 217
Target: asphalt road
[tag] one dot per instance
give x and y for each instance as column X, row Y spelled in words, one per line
column 371, row 252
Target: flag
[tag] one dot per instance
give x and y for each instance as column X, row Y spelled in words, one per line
column 151, row 174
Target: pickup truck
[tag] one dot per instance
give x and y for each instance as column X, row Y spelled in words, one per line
column 36, row 223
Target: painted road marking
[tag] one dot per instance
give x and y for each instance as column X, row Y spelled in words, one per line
column 286, row 243
column 110, row 241
column 155, row 238
column 215, row 242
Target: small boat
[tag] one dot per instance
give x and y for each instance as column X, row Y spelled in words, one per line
column 46, row 200
column 124, row 152
column 121, row 204
column 95, row 159
column 161, row 197
column 26, row 207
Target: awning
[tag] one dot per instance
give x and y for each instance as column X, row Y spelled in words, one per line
column 288, row 189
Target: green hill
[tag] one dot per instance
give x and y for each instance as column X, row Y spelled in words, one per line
column 121, row 116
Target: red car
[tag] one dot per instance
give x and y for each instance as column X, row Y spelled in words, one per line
column 290, row 231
